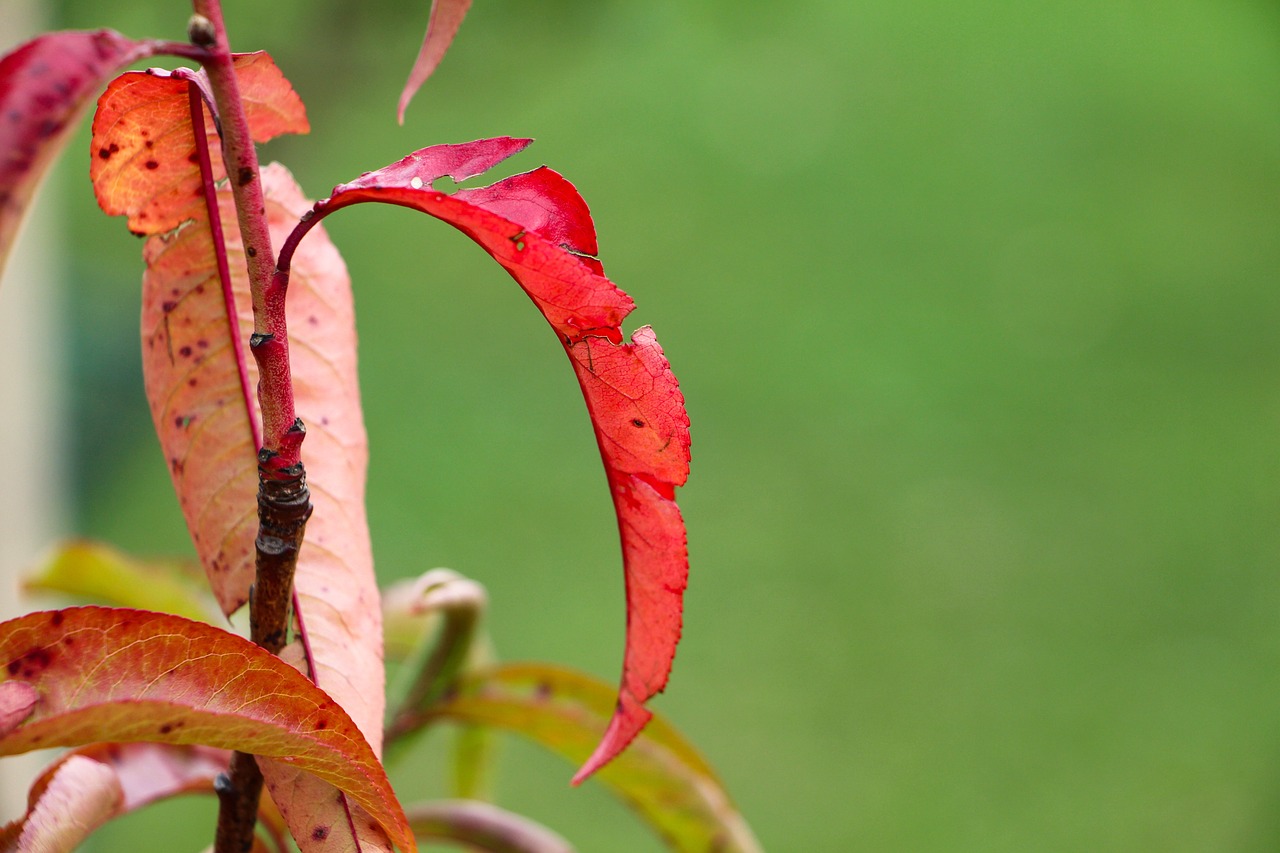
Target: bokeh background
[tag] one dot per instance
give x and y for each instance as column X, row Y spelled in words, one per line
column 974, row 306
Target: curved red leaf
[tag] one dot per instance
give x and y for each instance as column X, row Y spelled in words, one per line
column 44, row 86
column 442, row 26
column 538, row 227
column 106, row 674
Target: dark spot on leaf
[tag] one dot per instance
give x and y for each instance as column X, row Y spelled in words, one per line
column 150, row 143
column 322, row 724
column 194, row 157
column 168, row 306
column 245, row 175
column 166, row 728
column 104, row 153
column 251, row 252
column 68, row 640
column 185, row 352
column 636, row 422
column 202, row 343
column 320, row 833
column 152, row 164
column 56, row 619
column 31, row 664
column 191, row 383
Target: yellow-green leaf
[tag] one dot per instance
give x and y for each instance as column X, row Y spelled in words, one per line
column 661, row 776
column 103, row 575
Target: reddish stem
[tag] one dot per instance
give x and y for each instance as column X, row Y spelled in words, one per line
column 283, row 498
column 281, row 442
column 196, row 104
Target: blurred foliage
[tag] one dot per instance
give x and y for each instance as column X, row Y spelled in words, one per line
column 974, row 306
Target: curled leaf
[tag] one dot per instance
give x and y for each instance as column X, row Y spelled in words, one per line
column 125, row 675
column 44, row 86
column 661, row 776
column 538, row 228
column 142, row 773
column 64, row 807
column 442, row 26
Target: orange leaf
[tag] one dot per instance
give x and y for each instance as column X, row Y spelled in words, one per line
column 107, row 674
column 144, row 161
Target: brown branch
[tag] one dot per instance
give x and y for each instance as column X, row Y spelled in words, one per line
column 284, row 502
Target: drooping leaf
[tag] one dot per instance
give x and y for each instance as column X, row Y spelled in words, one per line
column 202, row 415
column 539, row 229
column 64, row 808
column 661, row 776
column 107, row 674
column 144, row 162
column 442, row 26
column 45, row 84
column 103, row 575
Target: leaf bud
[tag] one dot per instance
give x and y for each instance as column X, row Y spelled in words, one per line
column 200, row 31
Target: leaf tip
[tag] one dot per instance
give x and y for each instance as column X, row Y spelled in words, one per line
column 442, row 26
column 627, row 722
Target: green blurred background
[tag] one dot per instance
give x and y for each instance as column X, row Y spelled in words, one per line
column 974, row 307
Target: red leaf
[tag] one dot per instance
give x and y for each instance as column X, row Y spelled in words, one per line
column 107, row 674
column 442, row 26
column 44, row 86
column 144, row 162
column 538, row 227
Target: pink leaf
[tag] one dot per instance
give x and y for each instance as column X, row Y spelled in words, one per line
column 442, row 26
column 44, row 86
column 203, row 421
column 538, row 227
column 17, row 699
column 64, row 807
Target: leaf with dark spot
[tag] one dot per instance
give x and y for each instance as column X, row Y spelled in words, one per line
column 151, row 172
column 138, row 672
